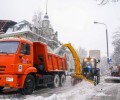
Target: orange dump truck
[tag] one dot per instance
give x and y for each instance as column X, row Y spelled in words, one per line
column 26, row 65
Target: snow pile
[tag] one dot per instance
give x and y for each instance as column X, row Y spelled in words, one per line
column 81, row 91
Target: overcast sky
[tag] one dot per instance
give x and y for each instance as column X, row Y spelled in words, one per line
column 73, row 19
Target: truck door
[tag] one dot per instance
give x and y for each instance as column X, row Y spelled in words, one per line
column 25, row 57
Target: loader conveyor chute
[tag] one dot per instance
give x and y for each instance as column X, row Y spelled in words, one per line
column 78, row 69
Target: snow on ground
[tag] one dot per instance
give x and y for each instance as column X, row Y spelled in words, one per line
column 81, row 91
column 112, row 78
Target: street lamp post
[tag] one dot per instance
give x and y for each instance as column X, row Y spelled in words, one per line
column 106, row 40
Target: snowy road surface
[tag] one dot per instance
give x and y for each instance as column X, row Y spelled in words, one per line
column 107, row 91
column 81, row 91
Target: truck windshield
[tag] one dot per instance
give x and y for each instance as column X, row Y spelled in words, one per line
column 8, row 47
column 92, row 64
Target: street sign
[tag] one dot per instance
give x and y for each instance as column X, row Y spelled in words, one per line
column 110, row 60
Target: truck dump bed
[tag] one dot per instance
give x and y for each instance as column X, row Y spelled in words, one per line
column 49, row 61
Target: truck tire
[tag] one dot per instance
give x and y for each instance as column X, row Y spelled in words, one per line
column 98, row 76
column 1, row 88
column 98, row 79
column 62, row 80
column 95, row 80
column 56, row 81
column 29, row 85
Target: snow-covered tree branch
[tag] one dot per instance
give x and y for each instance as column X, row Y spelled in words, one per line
column 116, row 44
column 103, row 2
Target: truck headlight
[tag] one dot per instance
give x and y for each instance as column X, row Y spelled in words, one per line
column 85, row 59
column 9, row 79
column 92, row 59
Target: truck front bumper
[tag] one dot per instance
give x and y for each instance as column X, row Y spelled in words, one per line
column 13, row 81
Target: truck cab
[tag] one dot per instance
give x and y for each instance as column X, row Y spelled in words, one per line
column 16, row 61
column 115, row 71
column 90, row 69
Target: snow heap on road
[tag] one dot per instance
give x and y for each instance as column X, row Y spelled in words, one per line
column 81, row 91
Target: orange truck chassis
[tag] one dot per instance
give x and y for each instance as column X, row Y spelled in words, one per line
column 26, row 65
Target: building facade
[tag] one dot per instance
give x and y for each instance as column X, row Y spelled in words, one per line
column 5, row 24
column 45, row 33
column 25, row 29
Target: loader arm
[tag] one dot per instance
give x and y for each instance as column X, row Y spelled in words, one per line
column 78, row 74
column 75, row 57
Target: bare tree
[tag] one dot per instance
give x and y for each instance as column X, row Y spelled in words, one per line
column 103, row 65
column 103, row 2
column 37, row 19
column 116, row 44
column 82, row 53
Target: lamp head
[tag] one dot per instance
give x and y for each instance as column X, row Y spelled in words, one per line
column 95, row 22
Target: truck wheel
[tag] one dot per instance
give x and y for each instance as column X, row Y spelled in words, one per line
column 98, row 79
column 1, row 88
column 95, row 80
column 56, row 81
column 29, row 85
column 62, row 80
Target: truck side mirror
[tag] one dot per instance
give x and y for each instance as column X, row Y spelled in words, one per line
column 98, row 60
